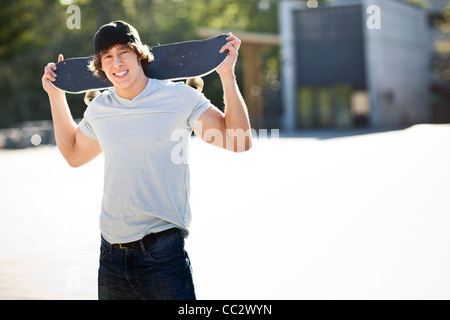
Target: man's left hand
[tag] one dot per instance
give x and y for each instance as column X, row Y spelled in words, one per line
column 233, row 45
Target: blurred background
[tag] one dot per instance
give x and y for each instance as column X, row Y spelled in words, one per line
column 350, row 202
column 305, row 64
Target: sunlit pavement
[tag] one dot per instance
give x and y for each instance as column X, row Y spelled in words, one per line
column 356, row 217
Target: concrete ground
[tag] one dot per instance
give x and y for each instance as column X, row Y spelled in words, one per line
column 329, row 216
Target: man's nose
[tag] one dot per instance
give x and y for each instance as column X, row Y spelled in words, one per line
column 117, row 60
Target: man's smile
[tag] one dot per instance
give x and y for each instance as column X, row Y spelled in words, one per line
column 121, row 74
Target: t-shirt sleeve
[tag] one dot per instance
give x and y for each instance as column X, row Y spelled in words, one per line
column 86, row 128
column 202, row 104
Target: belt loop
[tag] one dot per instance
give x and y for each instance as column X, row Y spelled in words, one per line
column 143, row 249
column 109, row 246
column 182, row 233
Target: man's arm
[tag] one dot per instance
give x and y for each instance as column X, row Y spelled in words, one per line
column 77, row 148
column 229, row 130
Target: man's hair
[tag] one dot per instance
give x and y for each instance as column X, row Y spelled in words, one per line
column 143, row 52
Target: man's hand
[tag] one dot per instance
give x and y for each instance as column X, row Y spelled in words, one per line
column 50, row 76
column 233, row 45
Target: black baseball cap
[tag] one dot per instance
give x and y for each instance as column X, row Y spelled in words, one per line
column 113, row 33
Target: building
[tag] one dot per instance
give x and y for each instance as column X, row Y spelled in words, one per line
column 355, row 63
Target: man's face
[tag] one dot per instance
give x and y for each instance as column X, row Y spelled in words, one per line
column 121, row 65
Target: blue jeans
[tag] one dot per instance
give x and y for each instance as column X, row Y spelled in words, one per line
column 160, row 272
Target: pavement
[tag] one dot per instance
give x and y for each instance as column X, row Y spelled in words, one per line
column 334, row 216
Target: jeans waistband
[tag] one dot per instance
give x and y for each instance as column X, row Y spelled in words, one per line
column 146, row 242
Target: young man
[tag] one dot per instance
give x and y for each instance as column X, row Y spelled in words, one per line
column 145, row 208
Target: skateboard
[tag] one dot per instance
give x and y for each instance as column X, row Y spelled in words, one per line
column 175, row 61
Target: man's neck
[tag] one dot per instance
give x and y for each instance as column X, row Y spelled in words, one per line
column 135, row 89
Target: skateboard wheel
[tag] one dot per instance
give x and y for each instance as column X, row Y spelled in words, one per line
column 90, row 95
column 196, row 83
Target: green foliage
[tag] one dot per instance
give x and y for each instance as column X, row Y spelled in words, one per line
column 441, row 62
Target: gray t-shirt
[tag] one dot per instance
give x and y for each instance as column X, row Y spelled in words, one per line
column 146, row 186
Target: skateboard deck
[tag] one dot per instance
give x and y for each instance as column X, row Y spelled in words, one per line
column 176, row 61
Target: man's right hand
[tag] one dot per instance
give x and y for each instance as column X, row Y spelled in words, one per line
column 50, row 76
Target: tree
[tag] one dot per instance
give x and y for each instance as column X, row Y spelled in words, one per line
column 22, row 36
column 441, row 62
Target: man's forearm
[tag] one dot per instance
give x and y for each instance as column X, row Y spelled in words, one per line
column 64, row 125
column 236, row 116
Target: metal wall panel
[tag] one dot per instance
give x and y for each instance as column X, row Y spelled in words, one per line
column 329, row 46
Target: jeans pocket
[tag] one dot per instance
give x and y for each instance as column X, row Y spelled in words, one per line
column 168, row 247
